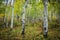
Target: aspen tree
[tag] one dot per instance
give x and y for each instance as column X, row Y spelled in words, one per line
column 12, row 5
column 23, row 17
column 45, row 19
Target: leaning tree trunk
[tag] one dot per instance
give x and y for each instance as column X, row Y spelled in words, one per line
column 23, row 17
column 45, row 20
column 12, row 4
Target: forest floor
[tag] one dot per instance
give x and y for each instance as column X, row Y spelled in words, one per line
column 31, row 33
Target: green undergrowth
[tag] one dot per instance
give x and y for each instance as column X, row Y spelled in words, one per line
column 32, row 32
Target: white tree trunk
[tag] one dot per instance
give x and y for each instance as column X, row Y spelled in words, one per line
column 12, row 4
column 9, row 3
column 6, row 4
column 23, row 17
column 45, row 20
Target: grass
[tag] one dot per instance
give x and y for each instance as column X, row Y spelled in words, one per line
column 32, row 32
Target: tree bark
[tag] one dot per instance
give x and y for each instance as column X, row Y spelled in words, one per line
column 6, row 4
column 23, row 17
column 45, row 20
column 8, row 13
column 12, row 4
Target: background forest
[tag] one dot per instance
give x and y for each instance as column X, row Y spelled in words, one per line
column 29, row 19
